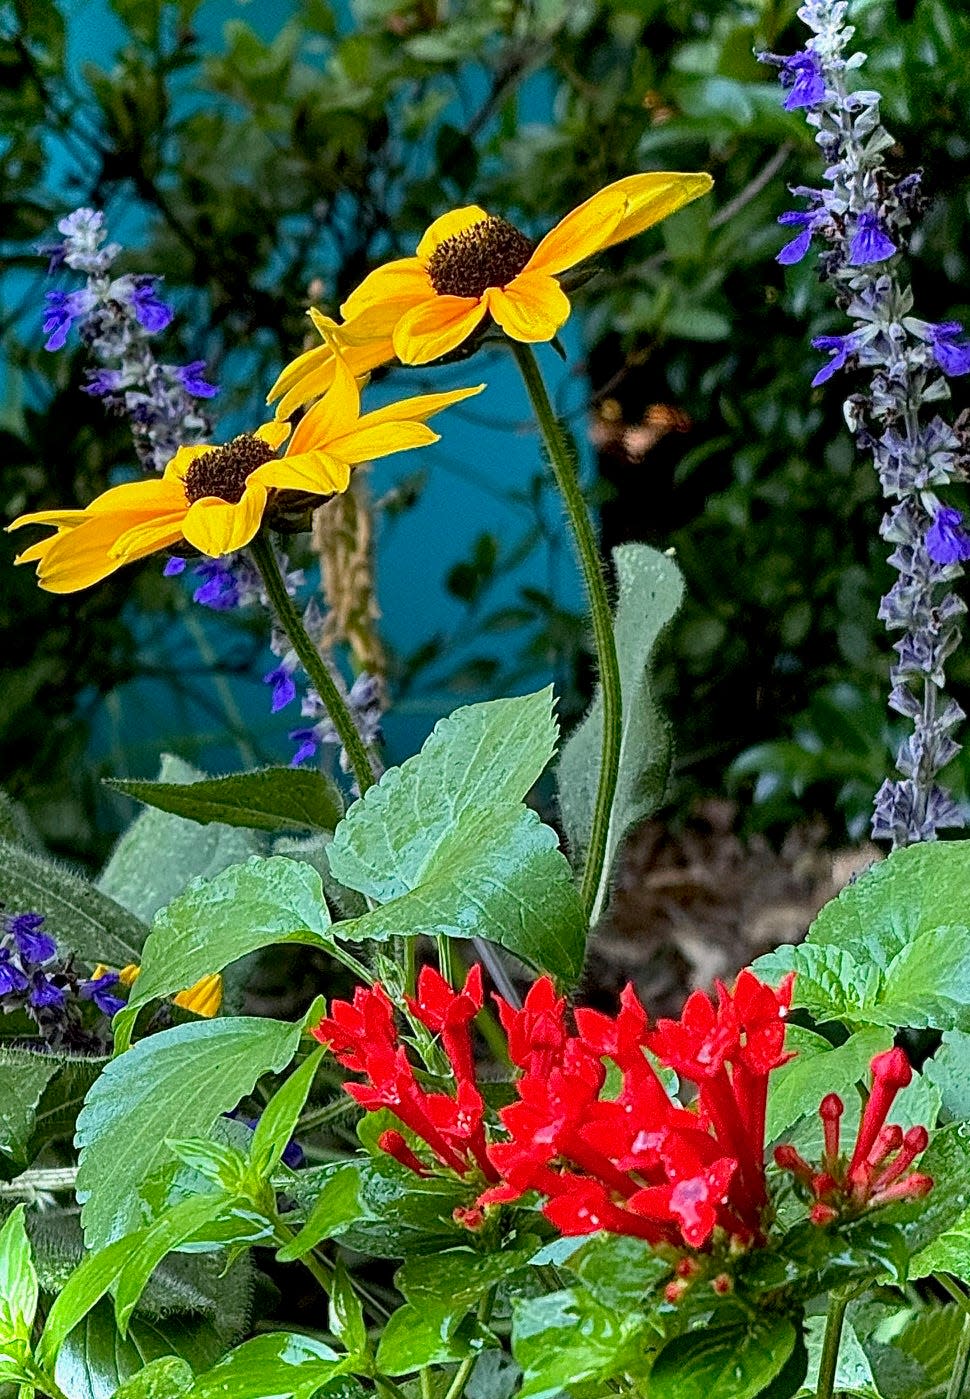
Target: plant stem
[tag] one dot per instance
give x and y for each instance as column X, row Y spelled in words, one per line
column 457, row 1385
column 828, row 1364
column 567, row 480
column 961, row 1364
column 446, row 960
column 313, row 663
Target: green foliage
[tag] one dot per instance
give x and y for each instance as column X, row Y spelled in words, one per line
column 284, row 1364
column 567, row 1337
column 164, row 1378
column 446, row 847
column 723, row 1362
column 267, row 799
column 650, row 592
column 18, row 1282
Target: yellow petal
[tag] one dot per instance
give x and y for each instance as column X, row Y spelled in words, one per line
column 204, row 998
column 36, row 551
column 273, row 434
column 367, row 444
column 428, row 331
column 331, row 416
column 401, row 283
column 306, row 378
column 457, row 221
column 129, row 974
column 654, row 196
column 81, row 556
column 147, row 537
column 531, row 308
column 156, row 495
column 61, row 519
column 317, row 473
column 183, row 459
column 583, row 232
column 418, row 409
column 217, row 527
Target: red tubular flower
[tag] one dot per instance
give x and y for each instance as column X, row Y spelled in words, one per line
column 449, row 1013
column 877, row 1171
column 536, row 1033
column 354, row 1031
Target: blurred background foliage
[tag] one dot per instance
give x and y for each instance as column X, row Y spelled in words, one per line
column 257, row 169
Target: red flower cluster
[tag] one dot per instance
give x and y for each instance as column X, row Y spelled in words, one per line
column 363, row 1037
column 634, row 1162
column 878, row 1169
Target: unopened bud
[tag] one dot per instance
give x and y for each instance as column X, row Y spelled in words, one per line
column 822, row 1214
column 722, row 1284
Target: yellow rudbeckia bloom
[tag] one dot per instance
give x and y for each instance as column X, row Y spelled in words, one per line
column 204, row 998
column 470, row 264
column 363, row 345
column 215, row 498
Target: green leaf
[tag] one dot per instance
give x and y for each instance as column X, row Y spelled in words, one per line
column 83, row 919
column 83, row 1290
column 619, row 1271
column 18, row 1280
column 283, row 1364
column 830, row 983
column 160, row 853
column 481, row 757
column 798, row 1087
column 460, row 1274
column 723, row 1362
column 928, row 982
column 650, row 592
column 436, row 1333
column 948, row 1071
column 148, row 1247
column 161, row 1379
column 267, row 799
column 94, row 1360
column 278, row 1120
column 498, row 875
column 347, row 1314
column 947, row 1160
column 567, row 1337
column 217, row 921
column 23, row 1079
column 173, row 1084
column 853, row 1374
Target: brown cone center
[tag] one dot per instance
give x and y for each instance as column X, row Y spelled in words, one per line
column 223, row 472
column 489, row 254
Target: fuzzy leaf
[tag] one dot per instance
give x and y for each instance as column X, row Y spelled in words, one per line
column 267, row 799
column 797, row 1088
column 170, row 1085
column 650, row 592
column 23, row 1079
column 830, row 982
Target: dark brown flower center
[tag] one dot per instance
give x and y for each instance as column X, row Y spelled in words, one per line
column 223, row 471
column 489, row 254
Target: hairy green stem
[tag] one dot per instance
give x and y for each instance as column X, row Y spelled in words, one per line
column 829, row 1362
column 313, row 663
column 584, row 535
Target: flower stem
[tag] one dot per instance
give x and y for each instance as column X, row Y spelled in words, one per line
column 567, row 480
column 829, row 1362
column 484, row 1311
column 313, row 663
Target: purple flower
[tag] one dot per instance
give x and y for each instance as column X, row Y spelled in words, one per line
column 870, row 242
column 840, row 347
column 190, row 377
column 99, row 991
column 219, row 589
column 952, row 357
column 102, row 382
column 174, row 567
column 795, row 250
column 946, row 540
column 34, row 945
column 43, row 992
column 11, row 977
column 152, row 314
column 61, row 310
column 308, row 741
column 802, row 73
column 284, row 687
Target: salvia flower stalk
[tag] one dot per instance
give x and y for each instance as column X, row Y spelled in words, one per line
column 858, row 222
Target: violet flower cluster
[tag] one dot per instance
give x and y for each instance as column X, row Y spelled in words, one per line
column 858, row 225
column 36, row 980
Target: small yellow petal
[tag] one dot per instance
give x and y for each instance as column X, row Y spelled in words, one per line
column 183, row 459
column 273, row 434
column 61, row 519
column 654, row 196
column 147, row 537
column 418, row 409
column 216, row 527
column 448, row 225
column 99, row 971
column 204, row 998
column 129, row 974
column 316, row 473
column 404, row 281
column 367, row 444
column 428, row 331
column 36, row 551
column 531, row 308
column 583, row 232
column 81, row 556
column 156, row 495
column 331, row 416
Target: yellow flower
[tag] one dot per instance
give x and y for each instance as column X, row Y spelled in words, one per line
column 471, row 264
column 204, row 998
column 214, row 498
column 364, row 344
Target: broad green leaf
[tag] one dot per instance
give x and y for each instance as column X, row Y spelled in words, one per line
column 650, row 592
column 566, row 1337
column 460, row 1274
column 18, row 1280
column 278, row 1120
column 283, row 1364
column 346, row 1315
column 83, row 919
column 160, row 853
column 164, row 1378
column 619, row 1271
column 830, row 983
column 480, row 758
column 434, row 1333
column 913, row 1354
column 57, row 1111
column 947, row 1160
column 267, row 799
column 948, row 1070
column 148, row 1247
column 853, row 1375
column 173, row 1084
column 217, row 921
column 498, row 875
column 798, row 1087
column 83, row 1290
column 23, row 1079
column 928, row 982
column 94, row 1360
column 723, row 1362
